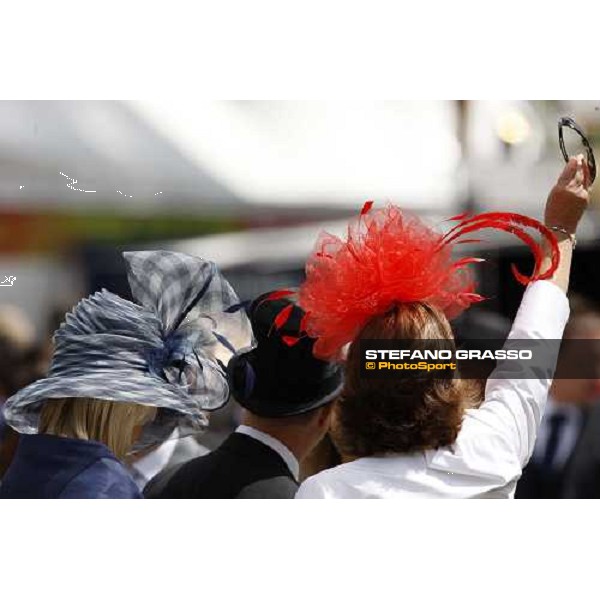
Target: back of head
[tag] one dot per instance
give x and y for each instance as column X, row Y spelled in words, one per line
column 414, row 411
column 161, row 351
column 381, row 281
column 280, row 377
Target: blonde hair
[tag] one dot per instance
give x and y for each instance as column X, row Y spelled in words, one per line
column 116, row 424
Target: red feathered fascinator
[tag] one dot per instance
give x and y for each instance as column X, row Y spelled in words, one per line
column 391, row 257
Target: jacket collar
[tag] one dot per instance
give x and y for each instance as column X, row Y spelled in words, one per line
column 268, row 440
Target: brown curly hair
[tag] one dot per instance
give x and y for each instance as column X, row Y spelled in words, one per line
column 415, row 412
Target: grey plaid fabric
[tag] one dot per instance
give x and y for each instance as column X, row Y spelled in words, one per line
column 166, row 351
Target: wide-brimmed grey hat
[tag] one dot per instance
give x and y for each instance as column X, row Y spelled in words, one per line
column 169, row 350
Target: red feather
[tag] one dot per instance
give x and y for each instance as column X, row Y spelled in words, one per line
column 290, row 340
column 515, row 224
column 471, row 298
column 463, row 262
column 460, row 217
column 367, row 206
column 282, row 316
column 392, row 257
column 276, row 295
column 469, row 241
column 304, row 322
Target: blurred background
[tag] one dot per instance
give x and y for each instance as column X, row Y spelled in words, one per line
column 249, row 185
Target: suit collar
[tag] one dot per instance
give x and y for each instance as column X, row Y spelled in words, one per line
column 268, row 440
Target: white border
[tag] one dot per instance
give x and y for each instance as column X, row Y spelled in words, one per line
column 314, row 49
column 278, row 549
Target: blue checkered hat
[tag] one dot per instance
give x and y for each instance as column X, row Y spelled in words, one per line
column 167, row 350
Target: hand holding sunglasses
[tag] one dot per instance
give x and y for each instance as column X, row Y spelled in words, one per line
column 573, row 142
column 569, row 198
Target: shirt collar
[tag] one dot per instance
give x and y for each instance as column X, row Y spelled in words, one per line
column 153, row 463
column 268, row 440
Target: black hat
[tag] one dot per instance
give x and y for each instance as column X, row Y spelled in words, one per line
column 279, row 379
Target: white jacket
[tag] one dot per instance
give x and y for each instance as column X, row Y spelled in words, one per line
column 495, row 441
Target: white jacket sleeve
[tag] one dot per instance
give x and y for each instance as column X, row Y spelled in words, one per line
column 496, row 440
column 516, row 406
column 311, row 489
column 513, row 406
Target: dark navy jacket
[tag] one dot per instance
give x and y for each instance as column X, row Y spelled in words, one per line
column 48, row 466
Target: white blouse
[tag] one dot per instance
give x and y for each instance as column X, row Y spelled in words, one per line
column 495, row 441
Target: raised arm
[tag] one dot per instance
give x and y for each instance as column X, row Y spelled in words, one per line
column 506, row 424
column 564, row 208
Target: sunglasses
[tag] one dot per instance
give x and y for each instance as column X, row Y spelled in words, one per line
column 573, row 141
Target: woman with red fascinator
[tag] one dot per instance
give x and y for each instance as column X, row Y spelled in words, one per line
column 394, row 278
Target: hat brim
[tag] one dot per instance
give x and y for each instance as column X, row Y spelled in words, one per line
column 329, row 389
column 271, row 410
column 21, row 411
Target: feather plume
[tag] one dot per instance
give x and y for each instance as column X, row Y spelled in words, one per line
column 392, row 257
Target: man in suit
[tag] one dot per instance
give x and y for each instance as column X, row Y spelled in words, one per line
column 174, row 451
column 286, row 394
column 566, row 457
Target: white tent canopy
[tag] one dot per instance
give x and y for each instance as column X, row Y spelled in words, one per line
column 81, row 154
column 156, row 155
column 165, row 155
column 319, row 152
